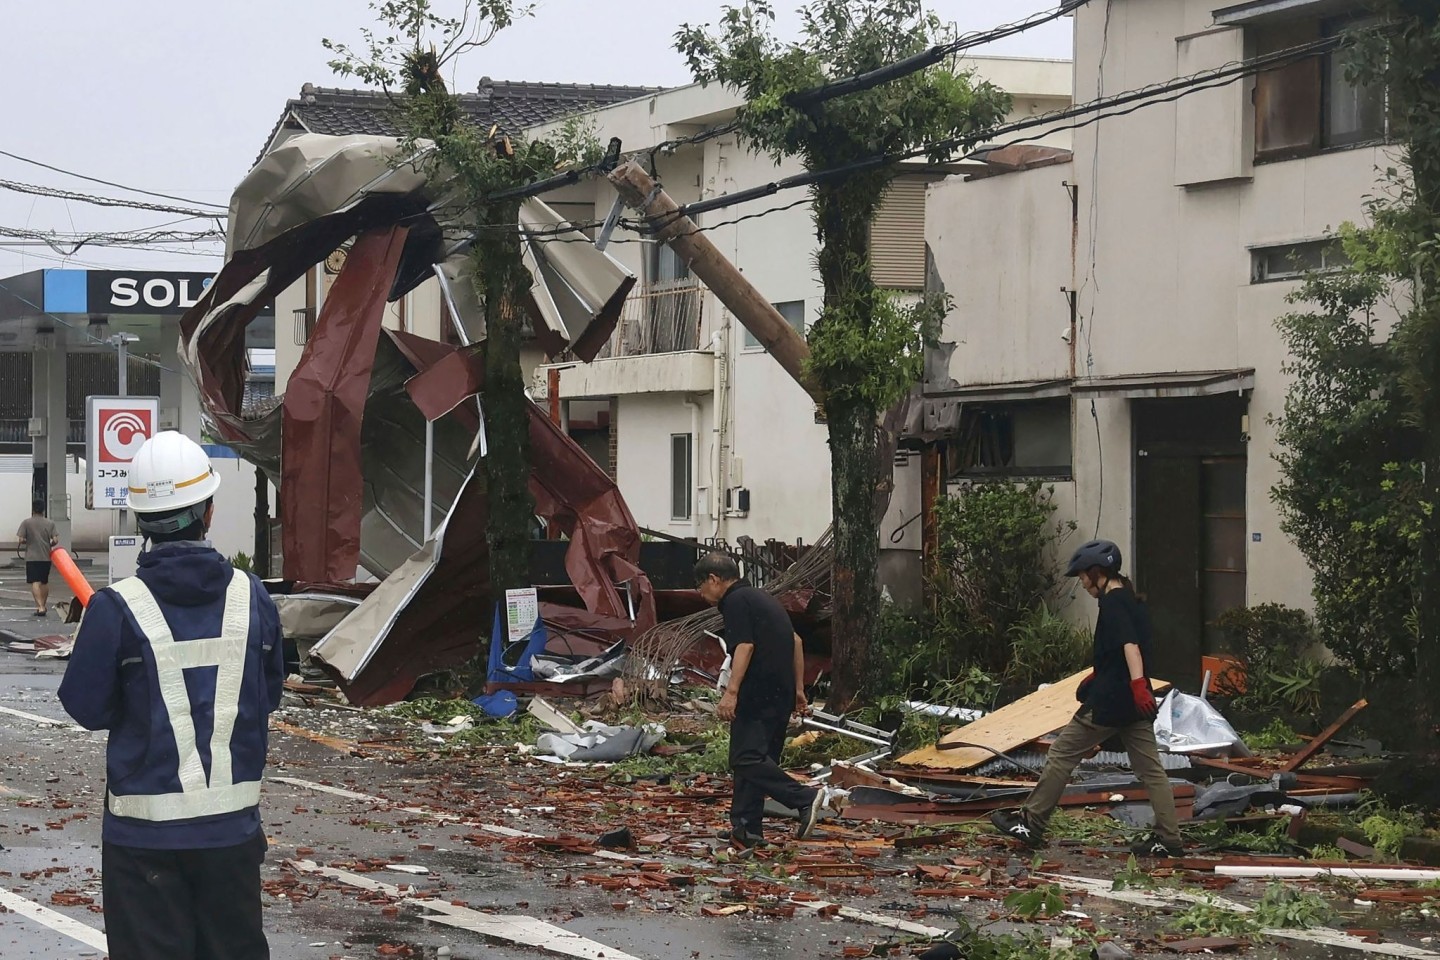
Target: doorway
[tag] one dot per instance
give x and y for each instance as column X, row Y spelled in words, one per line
column 1190, row 525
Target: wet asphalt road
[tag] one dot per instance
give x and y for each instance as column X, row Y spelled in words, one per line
column 51, row 789
column 51, row 785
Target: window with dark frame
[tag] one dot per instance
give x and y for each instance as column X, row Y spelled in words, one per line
column 681, row 483
column 1291, row 261
column 1310, row 106
column 1023, row 438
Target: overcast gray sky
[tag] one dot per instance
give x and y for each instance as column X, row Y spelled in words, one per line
column 178, row 97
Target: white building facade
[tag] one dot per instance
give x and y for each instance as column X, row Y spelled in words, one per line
column 706, row 434
column 1114, row 329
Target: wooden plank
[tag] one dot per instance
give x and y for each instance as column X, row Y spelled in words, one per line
column 1317, row 744
column 1015, row 725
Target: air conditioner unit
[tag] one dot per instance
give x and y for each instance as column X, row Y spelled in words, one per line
column 37, row 427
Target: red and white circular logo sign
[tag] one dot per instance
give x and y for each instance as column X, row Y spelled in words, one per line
column 122, row 431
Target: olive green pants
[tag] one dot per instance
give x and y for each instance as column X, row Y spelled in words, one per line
column 1079, row 737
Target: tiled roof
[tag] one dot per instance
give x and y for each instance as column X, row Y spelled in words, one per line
column 513, row 105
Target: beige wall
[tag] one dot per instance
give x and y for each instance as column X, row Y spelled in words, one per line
column 1001, row 248
column 1174, row 203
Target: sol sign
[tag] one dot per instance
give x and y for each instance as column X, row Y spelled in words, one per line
column 113, row 291
column 115, row 427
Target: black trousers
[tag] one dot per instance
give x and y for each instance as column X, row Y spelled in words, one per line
column 756, row 741
column 184, row 904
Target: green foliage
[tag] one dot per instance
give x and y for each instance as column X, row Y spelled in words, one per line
column 713, row 760
column 1284, row 907
column 995, row 573
column 1133, row 877
column 1219, row 835
column 1064, row 825
column 1282, row 672
column 1277, row 734
column 874, row 359
column 242, row 561
column 1046, row 900
column 1350, row 493
column 435, row 710
column 387, row 53
column 1388, row 830
column 975, row 944
column 913, row 661
column 1209, row 920
column 1364, row 412
column 1044, row 646
column 1326, row 851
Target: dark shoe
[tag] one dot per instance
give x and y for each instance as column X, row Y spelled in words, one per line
column 743, row 838
column 1157, row 848
column 810, row 816
column 1015, row 825
column 41, row 613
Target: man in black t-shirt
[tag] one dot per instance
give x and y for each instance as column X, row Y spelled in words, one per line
column 766, row 685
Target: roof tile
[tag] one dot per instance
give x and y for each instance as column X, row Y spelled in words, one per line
column 513, row 105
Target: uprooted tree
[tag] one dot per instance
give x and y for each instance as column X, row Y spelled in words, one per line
column 406, row 56
column 866, row 347
column 1361, row 429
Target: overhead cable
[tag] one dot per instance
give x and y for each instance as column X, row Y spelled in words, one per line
column 109, row 183
column 59, row 194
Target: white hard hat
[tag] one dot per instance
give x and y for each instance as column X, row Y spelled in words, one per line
column 169, row 472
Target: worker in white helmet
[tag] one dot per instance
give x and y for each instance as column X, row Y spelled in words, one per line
column 183, row 664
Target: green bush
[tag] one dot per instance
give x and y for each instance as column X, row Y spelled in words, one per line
column 996, row 568
column 1044, row 646
column 1282, row 675
column 242, row 561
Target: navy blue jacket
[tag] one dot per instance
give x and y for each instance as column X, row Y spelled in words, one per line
column 111, row 684
column 1123, row 620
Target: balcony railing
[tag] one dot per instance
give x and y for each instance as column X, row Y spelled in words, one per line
column 662, row 318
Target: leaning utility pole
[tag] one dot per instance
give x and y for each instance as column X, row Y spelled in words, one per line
column 748, row 305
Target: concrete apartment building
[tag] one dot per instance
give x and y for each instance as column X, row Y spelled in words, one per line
column 1114, row 329
column 706, row 434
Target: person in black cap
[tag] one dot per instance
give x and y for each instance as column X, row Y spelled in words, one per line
column 1116, row 699
column 766, row 686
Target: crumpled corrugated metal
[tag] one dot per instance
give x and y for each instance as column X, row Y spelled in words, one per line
column 302, row 201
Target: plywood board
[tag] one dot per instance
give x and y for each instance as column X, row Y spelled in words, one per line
column 1015, row 725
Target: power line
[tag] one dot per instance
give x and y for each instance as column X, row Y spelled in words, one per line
column 1228, row 72
column 108, row 183
column 1117, row 105
column 928, row 58
column 58, row 241
column 57, row 193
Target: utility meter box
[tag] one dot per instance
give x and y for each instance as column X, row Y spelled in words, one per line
column 124, row 557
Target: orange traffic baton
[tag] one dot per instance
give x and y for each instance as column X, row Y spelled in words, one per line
column 71, row 574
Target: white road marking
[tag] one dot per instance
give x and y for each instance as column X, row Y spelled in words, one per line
column 58, row 922
column 1324, row 936
column 523, row 930
column 36, row 718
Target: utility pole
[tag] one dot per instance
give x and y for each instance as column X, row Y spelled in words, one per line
column 748, row 305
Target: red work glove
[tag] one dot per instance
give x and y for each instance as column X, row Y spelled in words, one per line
column 1144, row 699
column 1082, row 691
